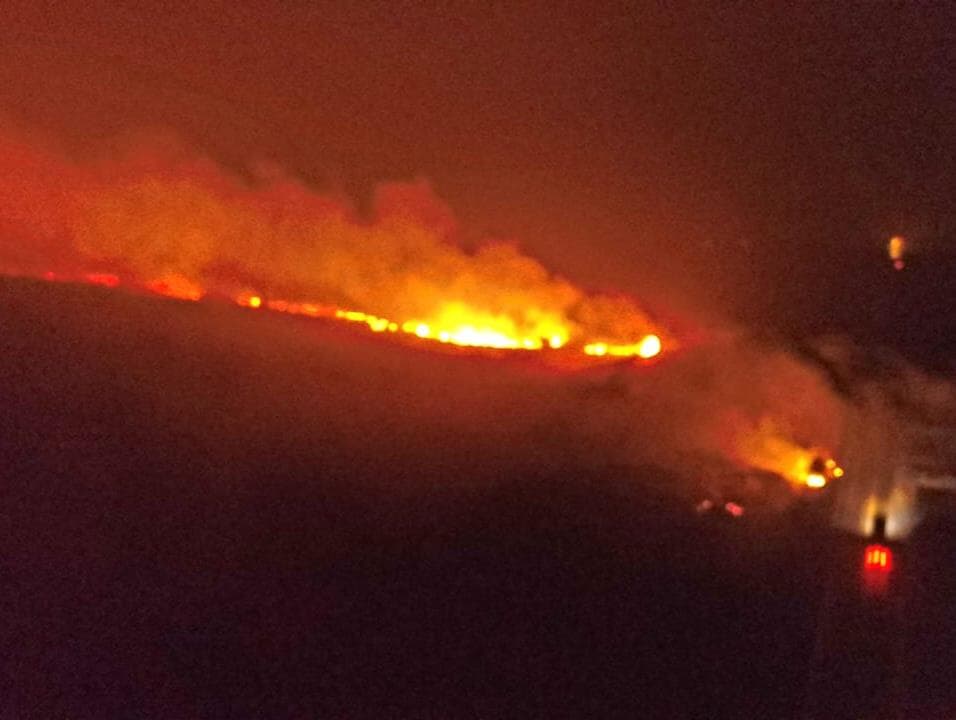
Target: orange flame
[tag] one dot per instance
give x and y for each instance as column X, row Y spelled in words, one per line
column 455, row 330
column 896, row 249
column 768, row 449
column 176, row 286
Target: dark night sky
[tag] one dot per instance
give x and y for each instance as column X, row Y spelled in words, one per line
column 748, row 160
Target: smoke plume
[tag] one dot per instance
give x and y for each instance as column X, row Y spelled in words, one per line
column 165, row 218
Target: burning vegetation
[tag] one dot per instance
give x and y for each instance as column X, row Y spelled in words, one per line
column 767, row 448
column 181, row 227
column 166, row 223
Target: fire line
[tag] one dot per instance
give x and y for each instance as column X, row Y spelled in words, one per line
column 461, row 331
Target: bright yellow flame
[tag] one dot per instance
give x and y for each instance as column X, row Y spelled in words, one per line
column 816, row 480
column 649, row 347
column 249, row 300
column 460, row 324
column 837, row 472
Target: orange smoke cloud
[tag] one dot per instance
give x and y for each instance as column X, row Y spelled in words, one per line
column 185, row 227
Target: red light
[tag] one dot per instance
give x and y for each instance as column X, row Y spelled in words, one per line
column 105, row 279
column 734, row 509
column 878, row 558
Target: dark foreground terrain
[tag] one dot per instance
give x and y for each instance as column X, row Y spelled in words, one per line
column 202, row 516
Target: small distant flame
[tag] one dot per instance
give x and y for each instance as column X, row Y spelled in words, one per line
column 766, row 448
column 648, row 347
column 176, row 286
column 104, row 279
column 896, row 249
column 815, row 480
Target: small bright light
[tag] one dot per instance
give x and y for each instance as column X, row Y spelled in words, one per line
column 422, row 330
column 649, row 347
column 248, row 300
column 837, row 472
column 816, row 480
column 556, row 341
